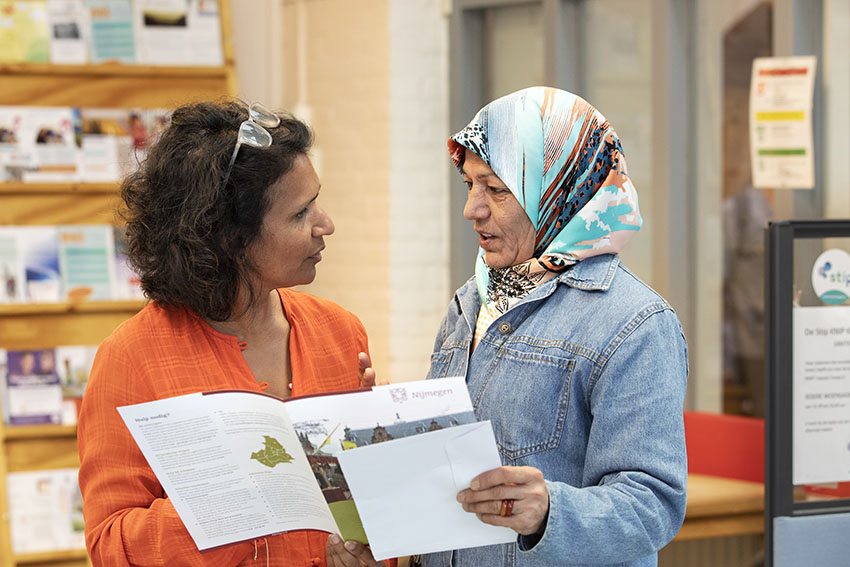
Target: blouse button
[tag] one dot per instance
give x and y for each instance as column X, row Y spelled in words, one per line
column 505, row 328
column 316, row 562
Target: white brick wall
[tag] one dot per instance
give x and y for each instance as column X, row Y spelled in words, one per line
column 372, row 78
column 419, row 162
column 337, row 75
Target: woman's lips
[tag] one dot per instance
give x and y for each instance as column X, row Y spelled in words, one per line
column 485, row 240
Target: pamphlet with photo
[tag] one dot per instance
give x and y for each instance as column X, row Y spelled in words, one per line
column 278, row 464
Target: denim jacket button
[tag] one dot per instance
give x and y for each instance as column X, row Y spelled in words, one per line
column 505, row 328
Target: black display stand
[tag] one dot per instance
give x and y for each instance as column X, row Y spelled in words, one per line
column 817, row 531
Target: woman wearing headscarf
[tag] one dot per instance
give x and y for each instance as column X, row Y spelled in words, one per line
column 580, row 367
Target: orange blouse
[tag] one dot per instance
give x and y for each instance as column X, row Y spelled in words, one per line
column 163, row 352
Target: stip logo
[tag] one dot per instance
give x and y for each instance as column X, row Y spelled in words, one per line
column 831, row 276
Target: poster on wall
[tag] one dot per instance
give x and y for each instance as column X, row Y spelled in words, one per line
column 781, row 146
column 821, row 376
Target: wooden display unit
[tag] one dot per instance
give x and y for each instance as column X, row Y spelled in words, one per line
column 25, row 326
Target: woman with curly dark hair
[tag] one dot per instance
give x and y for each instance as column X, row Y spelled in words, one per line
column 222, row 218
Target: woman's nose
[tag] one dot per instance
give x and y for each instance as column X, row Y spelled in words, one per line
column 475, row 207
column 325, row 226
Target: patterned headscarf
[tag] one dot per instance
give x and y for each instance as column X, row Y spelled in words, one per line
column 563, row 162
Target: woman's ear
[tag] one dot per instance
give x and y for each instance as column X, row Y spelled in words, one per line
column 234, row 246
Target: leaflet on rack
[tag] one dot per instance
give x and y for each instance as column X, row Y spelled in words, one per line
column 67, row 22
column 86, row 262
column 177, row 32
column 23, row 31
column 111, row 31
column 279, row 466
column 45, row 511
column 30, row 389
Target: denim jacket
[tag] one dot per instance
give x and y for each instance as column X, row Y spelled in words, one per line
column 585, row 380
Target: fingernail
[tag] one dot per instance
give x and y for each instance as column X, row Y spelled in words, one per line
column 334, row 539
column 460, row 496
column 349, row 545
column 474, row 484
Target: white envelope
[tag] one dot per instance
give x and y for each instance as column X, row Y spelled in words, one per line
column 405, row 490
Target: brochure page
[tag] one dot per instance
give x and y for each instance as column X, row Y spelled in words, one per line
column 231, row 464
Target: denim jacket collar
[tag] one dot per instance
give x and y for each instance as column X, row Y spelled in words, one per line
column 595, row 273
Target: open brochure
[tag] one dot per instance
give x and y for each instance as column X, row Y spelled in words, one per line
column 239, row 465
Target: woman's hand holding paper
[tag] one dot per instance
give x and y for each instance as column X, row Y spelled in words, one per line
column 366, row 373
column 349, row 554
column 514, row 497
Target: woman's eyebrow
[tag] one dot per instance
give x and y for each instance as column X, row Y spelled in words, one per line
column 480, row 175
column 316, row 196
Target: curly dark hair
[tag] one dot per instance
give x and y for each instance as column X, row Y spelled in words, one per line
column 187, row 233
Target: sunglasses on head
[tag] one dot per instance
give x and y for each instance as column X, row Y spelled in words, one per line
column 253, row 132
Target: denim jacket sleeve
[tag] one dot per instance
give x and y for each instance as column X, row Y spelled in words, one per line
column 632, row 501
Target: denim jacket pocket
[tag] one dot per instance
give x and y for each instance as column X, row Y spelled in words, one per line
column 449, row 361
column 526, row 397
column 440, row 364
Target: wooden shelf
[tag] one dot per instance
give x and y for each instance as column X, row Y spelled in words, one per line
column 113, row 70
column 38, row 431
column 128, row 306
column 20, row 188
column 53, row 558
column 43, row 325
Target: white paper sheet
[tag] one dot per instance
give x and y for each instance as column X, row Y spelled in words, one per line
column 821, row 416
column 410, row 506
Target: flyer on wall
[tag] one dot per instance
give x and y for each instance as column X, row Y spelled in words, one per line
column 781, row 147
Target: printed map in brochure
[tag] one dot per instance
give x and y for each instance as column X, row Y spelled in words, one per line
column 274, row 465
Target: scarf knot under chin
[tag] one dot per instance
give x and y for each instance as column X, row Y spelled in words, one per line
column 506, row 286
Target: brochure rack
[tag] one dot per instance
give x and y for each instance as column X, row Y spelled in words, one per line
column 805, row 524
column 31, row 326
